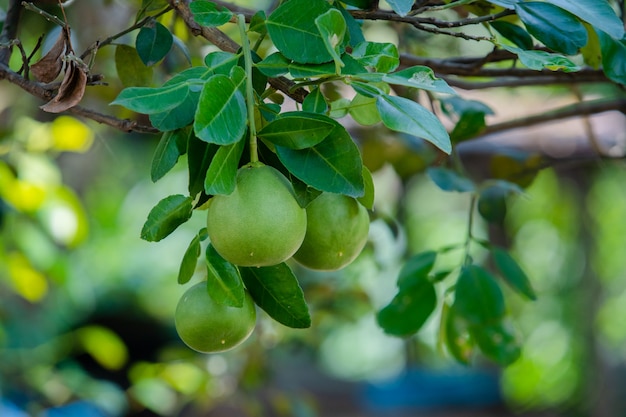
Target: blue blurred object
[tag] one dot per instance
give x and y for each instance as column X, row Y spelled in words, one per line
column 422, row 388
column 77, row 409
column 8, row 409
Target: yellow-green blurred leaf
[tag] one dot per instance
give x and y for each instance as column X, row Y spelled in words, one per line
column 130, row 68
column 104, row 346
column 26, row 280
column 70, row 134
column 65, row 218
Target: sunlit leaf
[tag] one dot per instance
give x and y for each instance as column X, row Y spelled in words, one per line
column 166, row 216
column 26, row 281
column 104, row 346
column 276, row 290
column 540, row 60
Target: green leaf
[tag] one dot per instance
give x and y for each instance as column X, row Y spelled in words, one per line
column 597, row 13
column 471, row 117
column 416, row 269
column 409, row 309
column 449, row 180
column 512, row 273
column 540, row 60
column 497, row 343
column 592, row 52
column 404, row 115
column 166, row 216
column 315, row 102
column 402, row 7
column 221, row 62
column 492, row 204
column 367, row 200
column 224, row 283
column 478, row 297
column 364, row 111
column 298, row 130
column 276, row 290
column 222, row 173
column 153, row 43
column 199, row 157
column 333, row 165
column 292, row 25
column 170, row 147
column 557, row 29
column 332, row 27
column 613, row 57
column 190, row 260
column 221, row 116
column 383, row 57
column 274, row 65
column 355, row 33
column 257, row 23
column 457, row 338
column 208, row 14
column 152, row 100
column 419, row 77
column 514, row 33
column 130, row 68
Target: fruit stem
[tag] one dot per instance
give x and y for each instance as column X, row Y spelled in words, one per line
column 247, row 59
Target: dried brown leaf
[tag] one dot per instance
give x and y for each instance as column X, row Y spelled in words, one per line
column 71, row 90
column 48, row 68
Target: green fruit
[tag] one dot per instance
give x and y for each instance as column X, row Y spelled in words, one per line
column 208, row 327
column 337, row 228
column 258, row 224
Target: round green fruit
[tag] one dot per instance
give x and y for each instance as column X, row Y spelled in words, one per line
column 209, row 327
column 258, row 224
column 337, row 228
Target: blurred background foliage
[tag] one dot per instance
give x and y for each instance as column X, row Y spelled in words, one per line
column 86, row 307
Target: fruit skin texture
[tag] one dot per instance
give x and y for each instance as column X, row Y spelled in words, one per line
column 337, row 228
column 258, row 224
column 209, row 327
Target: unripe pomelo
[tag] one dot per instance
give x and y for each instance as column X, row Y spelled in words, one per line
column 209, row 327
column 337, row 228
column 258, row 224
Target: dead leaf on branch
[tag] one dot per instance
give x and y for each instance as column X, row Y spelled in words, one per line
column 48, row 68
column 71, row 90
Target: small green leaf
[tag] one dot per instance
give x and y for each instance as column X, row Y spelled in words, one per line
column 222, row 173
column 457, row 338
column 315, row 102
column 152, row 100
column 221, row 116
column 383, row 57
column 221, row 62
column 355, row 33
column 257, row 23
column 130, row 68
column 276, row 290
column 199, row 157
column 402, row 7
column 514, row 33
column 613, row 57
column 409, row 309
column 449, row 180
column 497, row 343
column 557, row 29
column 416, row 269
column 298, row 130
column 166, row 216
column 208, row 14
column 512, row 273
column 492, row 204
column 332, row 27
column 333, row 165
column 367, row 200
column 292, row 25
column 153, row 43
column 419, row 77
column 478, row 297
column 364, row 111
column 223, row 280
column 540, row 60
column 170, row 147
column 597, row 13
column 404, row 115
column 190, row 260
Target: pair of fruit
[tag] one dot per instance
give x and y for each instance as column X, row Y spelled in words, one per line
column 262, row 224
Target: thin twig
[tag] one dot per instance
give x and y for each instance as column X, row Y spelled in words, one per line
column 9, row 29
column 420, row 21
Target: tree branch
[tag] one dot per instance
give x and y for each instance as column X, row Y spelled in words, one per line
column 9, row 30
column 419, row 21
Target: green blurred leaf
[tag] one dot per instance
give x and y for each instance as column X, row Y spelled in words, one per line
column 492, row 204
column 367, row 200
column 333, row 165
column 471, row 116
column 170, row 147
column 315, row 102
column 222, row 173
column 449, row 180
column 457, row 338
column 404, row 115
column 104, row 346
column 276, row 290
column 419, row 77
column 153, row 42
column 224, row 282
column 130, row 68
column 514, row 33
column 221, row 116
column 540, row 60
column 383, row 57
column 557, row 29
column 592, row 52
column 332, row 27
column 512, row 273
column 208, row 14
column 497, row 343
column 298, row 130
column 166, row 216
column 152, row 100
column 416, row 269
column 150, row 8
column 409, row 309
column 478, row 297
column 292, row 25
column 597, row 13
column 199, row 157
column 190, row 260
column 613, row 57
column 402, row 7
